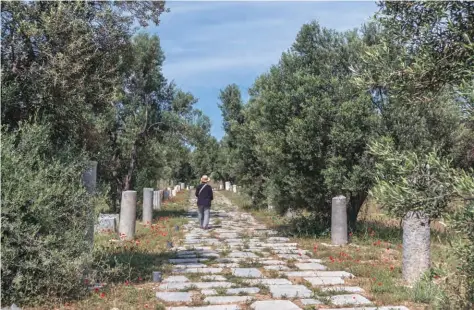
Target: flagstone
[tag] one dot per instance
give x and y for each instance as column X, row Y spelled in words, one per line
column 176, row 279
column 277, row 281
column 290, row 291
column 214, row 307
column 274, row 305
column 174, row 296
column 273, row 262
column 354, row 299
column 242, row 255
column 351, row 289
column 276, row 267
column 198, row 270
column 310, row 266
column 296, row 274
column 311, row 301
column 325, row 281
column 199, row 285
column 227, row 299
column 214, row 278
column 247, row 272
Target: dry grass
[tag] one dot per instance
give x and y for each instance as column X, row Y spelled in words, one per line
column 132, row 286
column 374, row 256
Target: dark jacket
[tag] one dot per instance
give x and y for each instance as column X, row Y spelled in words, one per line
column 206, row 195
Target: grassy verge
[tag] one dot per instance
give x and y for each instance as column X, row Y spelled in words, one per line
column 374, row 256
column 125, row 267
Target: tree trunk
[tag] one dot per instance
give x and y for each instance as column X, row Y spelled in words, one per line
column 127, row 184
column 355, row 204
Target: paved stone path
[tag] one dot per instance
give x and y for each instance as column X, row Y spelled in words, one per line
column 240, row 264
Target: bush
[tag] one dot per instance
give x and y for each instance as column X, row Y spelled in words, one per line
column 44, row 218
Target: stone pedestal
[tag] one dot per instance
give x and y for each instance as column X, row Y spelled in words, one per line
column 147, row 216
column 128, row 215
column 227, row 186
column 173, row 193
column 234, row 188
column 221, row 187
column 182, row 186
column 416, row 246
column 108, row 222
column 339, row 221
column 157, row 199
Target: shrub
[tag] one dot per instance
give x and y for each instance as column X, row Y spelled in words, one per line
column 44, row 218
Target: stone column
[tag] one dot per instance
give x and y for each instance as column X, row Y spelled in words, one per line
column 221, row 187
column 416, row 245
column 173, row 193
column 234, row 188
column 89, row 179
column 147, row 216
column 182, row 185
column 157, row 199
column 339, row 221
column 227, row 186
column 128, row 214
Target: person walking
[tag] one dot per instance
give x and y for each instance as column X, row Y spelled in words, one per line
column 204, row 196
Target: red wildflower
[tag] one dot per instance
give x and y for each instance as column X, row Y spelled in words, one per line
column 86, row 281
column 140, row 278
column 102, row 295
column 391, row 267
column 96, row 289
column 379, row 284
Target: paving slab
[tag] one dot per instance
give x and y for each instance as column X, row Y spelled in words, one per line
column 273, row 262
column 227, row 299
column 277, row 281
column 199, row 285
column 209, row 292
column 351, row 289
column 242, row 255
column 276, row 267
column 214, row 278
column 247, row 272
column 292, row 256
column 176, row 279
column 349, row 299
column 320, row 281
column 278, row 239
column 242, row 290
column 190, row 265
column 300, row 274
column 274, row 305
column 215, row 307
column 174, row 296
column 310, row 266
column 290, row 291
column 311, row 301
column 374, row 308
column 198, row 270
column 186, row 260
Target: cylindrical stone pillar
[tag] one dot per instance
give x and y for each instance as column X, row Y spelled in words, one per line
column 234, row 188
column 416, row 245
column 147, row 216
column 227, row 186
column 157, row 200
column 339, row 221
column 128, row 215
column 182, row 185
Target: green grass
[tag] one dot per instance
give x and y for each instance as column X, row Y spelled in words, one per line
column 376, row 262
column 126, row 267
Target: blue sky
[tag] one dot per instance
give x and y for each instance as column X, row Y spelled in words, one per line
column 210, row 44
